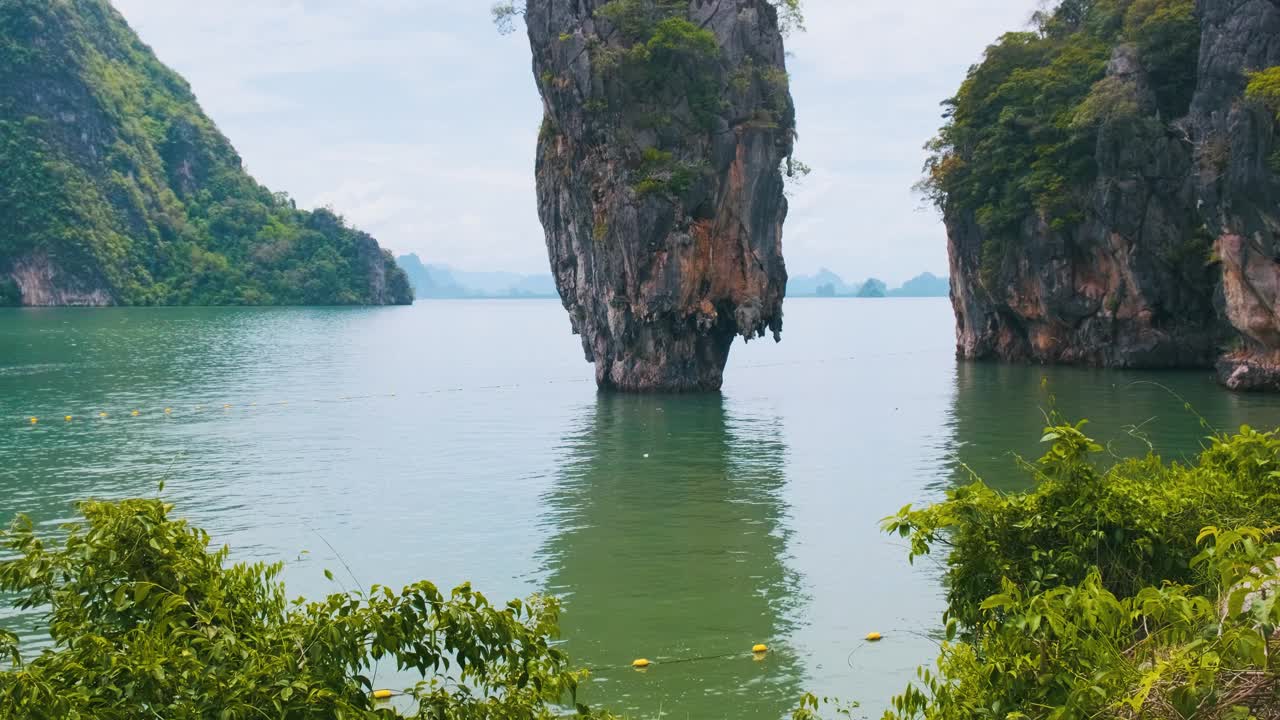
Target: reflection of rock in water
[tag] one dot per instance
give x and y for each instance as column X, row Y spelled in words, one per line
column 1000, row 411
column 668, row 544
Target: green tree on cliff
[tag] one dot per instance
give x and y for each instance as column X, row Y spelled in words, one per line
column 1264, row 87
column 1020, row 134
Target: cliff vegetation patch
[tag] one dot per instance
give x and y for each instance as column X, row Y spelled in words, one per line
column 1020, row 134
column 1264, row 87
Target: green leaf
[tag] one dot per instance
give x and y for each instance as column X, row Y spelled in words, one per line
column 997, row 601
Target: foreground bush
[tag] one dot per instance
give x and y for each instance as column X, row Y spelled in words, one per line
column 1136, row 521
column 1146, row 590
column 146, row 622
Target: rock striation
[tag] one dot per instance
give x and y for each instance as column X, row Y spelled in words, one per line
column 659, row 180
column 1170, row 256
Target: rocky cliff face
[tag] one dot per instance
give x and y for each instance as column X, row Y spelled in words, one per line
column 659, row 185
column 1123, row 287
column 1238, row 188
column 1173, row 250
column 115, row 188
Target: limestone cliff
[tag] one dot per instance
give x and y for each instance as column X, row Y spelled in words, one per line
column 1143, row 230
column 1238, row 184
column 659, row 180
column 115, row 188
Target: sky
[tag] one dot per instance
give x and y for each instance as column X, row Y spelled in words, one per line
column 417, row 121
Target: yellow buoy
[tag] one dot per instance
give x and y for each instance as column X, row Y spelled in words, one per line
column 135, row 413
column 35, row 420
column 874, row 637
column 102, row 415
column 640, row 664
column 382, row 694
column 68, row 418
column 168, row 411
column 760, row 648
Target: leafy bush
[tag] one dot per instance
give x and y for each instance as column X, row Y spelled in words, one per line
column 1167, row 35
column 147, row 622
column 1135, row 522
column 661, row 173
column 660, row 58
column 1121, row 592
column 1080, row 651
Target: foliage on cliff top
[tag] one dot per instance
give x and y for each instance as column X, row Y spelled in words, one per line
column 658, row 58
column 1264, row 87
column 659, row 72
column 790, row 13
column 1136, row 591
column 109, row 168
column 147, row 622
column 1016, row 140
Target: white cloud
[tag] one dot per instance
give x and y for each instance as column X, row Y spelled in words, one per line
column 417, row 121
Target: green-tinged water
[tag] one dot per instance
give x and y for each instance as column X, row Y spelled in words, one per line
column 464, row 441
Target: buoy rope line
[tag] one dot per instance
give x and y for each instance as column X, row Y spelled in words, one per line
column 207, row 407
column 871, row 638
column 639, row 664
column 642, row 663
column 758, row 652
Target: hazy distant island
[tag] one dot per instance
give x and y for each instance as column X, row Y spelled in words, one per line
column 441, row 282
column 826, row 283
column 444, row 282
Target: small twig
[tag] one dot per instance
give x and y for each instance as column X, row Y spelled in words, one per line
column 359, row 585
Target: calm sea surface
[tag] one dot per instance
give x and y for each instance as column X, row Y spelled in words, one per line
column 456, row 441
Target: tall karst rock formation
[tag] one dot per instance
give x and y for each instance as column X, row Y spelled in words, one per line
column 660, row 186
column 1111, row 194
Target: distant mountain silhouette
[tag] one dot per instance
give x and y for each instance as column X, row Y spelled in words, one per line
column 441, row 281
column 826, row 283
column 924, row 285
column 812, row 285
